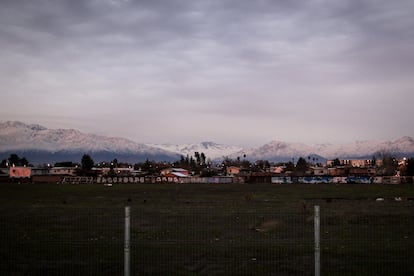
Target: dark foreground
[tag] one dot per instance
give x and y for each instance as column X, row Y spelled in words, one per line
column 177, row 229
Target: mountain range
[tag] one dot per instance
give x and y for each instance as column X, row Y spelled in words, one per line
column 42, row 145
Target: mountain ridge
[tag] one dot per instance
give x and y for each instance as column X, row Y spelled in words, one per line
column 36, row 142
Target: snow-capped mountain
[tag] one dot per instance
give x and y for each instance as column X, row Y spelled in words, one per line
column 404, row 145
column 210, row 149
column 36, row 141
column 282, row 151
column 42, row 145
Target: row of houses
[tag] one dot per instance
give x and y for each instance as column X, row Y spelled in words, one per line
column 341, row 180
column 21, row 172
column 61, row 172
column 316, row 171
column 179, row 175
column 26, row 172
column 31, row 174
column 335, row 167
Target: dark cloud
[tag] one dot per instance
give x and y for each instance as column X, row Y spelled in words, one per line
column 273, row 62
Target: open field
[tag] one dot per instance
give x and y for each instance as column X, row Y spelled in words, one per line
column 221, row 229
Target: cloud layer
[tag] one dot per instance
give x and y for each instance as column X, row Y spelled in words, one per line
column 242, row 72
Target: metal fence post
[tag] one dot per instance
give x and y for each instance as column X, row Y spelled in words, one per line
column 317, row 243
column 127, row 242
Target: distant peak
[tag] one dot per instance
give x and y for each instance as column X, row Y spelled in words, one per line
column 36, row 127
column 406, row 139
column 18, row 124
column 207, row 144
column 277, row 143
column 13, row 124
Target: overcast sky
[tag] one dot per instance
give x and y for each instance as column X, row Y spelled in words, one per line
column 237, row 72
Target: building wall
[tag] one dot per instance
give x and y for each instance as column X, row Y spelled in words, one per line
column 19, row 172
column 233, row 170
column 320, row 171
column 46, row 178
column 36, row 171
column 63, row 171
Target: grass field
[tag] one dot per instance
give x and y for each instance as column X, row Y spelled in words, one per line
column 222, row 229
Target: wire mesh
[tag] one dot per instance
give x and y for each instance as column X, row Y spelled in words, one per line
column 61, row 241
column 208, row 242
column 376, row 240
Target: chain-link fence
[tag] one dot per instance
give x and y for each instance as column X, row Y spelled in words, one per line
column 61, row 241
column 196, row 241
column 378, row 239
column 203, row 242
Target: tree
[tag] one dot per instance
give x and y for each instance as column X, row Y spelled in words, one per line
column 389, row 165
column 4, row 163
column 301, row 166
column 14, row 159
column 111, row 172
column 336, row 162
column 410, row 167
column 374, row 161
column 115, row 163
column 203, row 158
column 24, row 162
column 87, row 162
column 197, row 157
column 289, row 166
column 245, row 164
column 149, row 166
column 65, row 164
column 192, row 164
column 262, row 165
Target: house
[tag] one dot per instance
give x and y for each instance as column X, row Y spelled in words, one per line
column 40, row 171
column 372, row 171
column 4, row 172
column 361, row 163
column 175, row 172
column 358, row 171
column 20, row 172
column 278, row 169
column 69, row 171
column 233, row 170
column 100, row 171
column 124, row 171
column 319, row 171
column 258, row 177
column 338, row 171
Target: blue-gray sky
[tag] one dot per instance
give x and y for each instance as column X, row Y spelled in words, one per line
column 236, row 72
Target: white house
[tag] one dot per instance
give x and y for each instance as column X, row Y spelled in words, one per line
column 175, row 172
column 63, row 171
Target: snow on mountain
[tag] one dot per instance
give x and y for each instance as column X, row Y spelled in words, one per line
column 70, row 143
column 17, row 136
column 282, row 151
column 368, row 148
column 210, row 149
